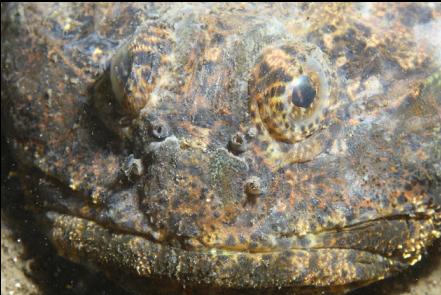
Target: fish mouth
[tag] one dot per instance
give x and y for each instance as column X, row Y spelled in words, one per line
column 366, row 250
column 344, row 258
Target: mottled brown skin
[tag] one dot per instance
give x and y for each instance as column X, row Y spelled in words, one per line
column 166, row 142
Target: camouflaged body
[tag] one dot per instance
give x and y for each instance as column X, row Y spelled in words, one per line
column 178, row 142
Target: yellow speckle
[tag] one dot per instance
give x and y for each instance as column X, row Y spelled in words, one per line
column 414, row 261
column 436, row 234
column 74, row 184
column 12, row 174
column 67, row 27
column 95, row 197
column 97, row 53
column 341, row 61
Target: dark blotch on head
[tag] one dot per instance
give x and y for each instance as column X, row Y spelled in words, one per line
column 147, row 58
column 401, row 199
column 231, row 241
column 259, row 127
column 277, row 91
column 350, row 35
column 278, row 75
column 303, row 93
column 365, row 30
column 415, row 14
column 264, row 69
column 217, row 39
column 255, row 237
column 290, row 50
column 281, row 75
column 264, row 144
column 329, row 29
column 280, row 106
column 266, row 257
column 304, row 242
column 209, row 67
column 253, row 245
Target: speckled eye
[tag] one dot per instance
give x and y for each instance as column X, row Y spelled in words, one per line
column 120, row 71
column 136, row 66
column 291, row 91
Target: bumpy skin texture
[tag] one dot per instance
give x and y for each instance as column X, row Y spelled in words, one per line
column 232, row 145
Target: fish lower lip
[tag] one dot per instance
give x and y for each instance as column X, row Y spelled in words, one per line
column 361, row 253
column 85, row 241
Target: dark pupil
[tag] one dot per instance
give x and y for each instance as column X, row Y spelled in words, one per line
column 303, row 93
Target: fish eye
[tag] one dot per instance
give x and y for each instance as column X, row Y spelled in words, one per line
column 291, row 91
column 136, row 67
column 120, row 71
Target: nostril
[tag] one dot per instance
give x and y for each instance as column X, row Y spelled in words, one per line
column 159, row 131
column 132, row 168
column 237, row 144
column 253, row 189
